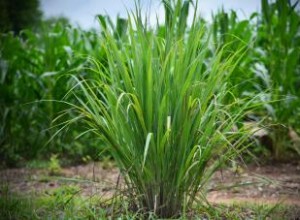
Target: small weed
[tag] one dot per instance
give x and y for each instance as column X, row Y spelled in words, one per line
column 107, row 162
column 54, row 166
column 63, row 197
column 86, row 159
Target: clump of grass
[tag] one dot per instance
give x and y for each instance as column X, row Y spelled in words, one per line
column 160, row 106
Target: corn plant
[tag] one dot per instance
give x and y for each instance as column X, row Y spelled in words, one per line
column 161, row 114
column 229, row 30
column 32, row 67
column 279, row 43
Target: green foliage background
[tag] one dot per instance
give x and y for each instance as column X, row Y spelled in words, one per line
column 36, row 69
column 16, row 15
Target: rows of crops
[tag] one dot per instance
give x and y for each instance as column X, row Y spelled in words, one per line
column 169, row 103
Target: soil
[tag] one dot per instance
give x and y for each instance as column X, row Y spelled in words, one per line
column 272, row 183
column 265, row 184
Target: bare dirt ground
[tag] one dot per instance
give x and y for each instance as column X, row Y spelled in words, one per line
column 273, row 183
column 268, row 184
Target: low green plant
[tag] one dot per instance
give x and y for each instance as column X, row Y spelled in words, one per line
column 54, row 165
column 160, row 107
column 62, row 203
column 64, row 197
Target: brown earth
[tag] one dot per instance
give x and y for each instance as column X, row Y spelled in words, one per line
column 267, row 184
column 273, row 183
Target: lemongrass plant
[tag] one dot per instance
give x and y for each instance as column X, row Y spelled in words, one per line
column 159, row 105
